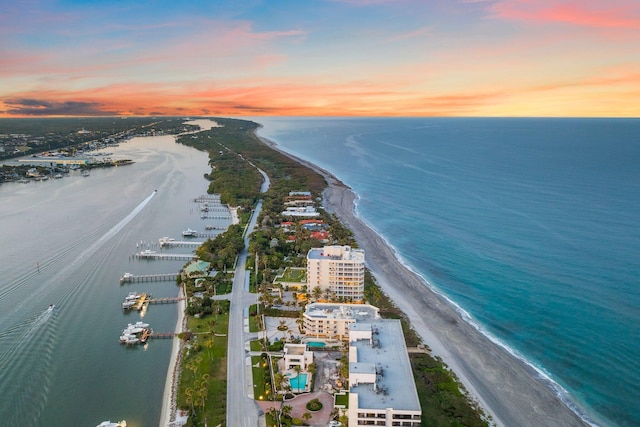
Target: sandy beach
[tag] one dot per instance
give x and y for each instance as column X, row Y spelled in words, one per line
column 509, row 390
column 168, row 414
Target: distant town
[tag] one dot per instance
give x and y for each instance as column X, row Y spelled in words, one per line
column 37, row 150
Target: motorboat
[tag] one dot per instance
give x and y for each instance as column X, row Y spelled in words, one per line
column 147, row 252
column 51, row 307
column 130, row 300
column 122, row 423
column 129, row 339
column 164, row 241
column 190, row 233
column 140, row 324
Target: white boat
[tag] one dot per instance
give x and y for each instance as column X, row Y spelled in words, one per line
column 129, row 339
column 147, row 252
column 130, row 300
column 122, row 423
column 164, row 241
column 140, row 324
column 85, row 173
column 127, row 304
column 190, row 233
column 51, row 307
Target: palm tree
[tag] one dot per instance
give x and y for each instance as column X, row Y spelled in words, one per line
column 306, row 416
column 317, row 293
column 285, row 410
column 278, row 380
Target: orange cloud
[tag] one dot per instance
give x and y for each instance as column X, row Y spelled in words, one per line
column 587, row 13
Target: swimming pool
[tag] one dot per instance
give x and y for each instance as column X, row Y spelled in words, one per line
column 315, row 344
column 298, row 383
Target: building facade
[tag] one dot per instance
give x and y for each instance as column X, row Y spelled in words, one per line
column 339, row 269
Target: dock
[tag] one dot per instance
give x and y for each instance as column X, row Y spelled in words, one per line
column 169, row 242
column 132, row 278
column 162, row 335
column 141, row 302
column 168, row 300
column 205, row 216
column 208, row 198
column 155, row 255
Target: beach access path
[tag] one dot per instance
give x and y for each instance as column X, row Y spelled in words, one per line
column 508, row 389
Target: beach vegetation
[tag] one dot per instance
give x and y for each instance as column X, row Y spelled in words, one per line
column 444, row 401
column 202, row 384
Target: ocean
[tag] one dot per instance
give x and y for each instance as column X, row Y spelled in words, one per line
column 529, row 225
column 67, row 242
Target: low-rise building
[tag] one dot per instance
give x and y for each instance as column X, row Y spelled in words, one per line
column 333, row 321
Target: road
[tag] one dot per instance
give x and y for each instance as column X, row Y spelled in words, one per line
column 241, row 410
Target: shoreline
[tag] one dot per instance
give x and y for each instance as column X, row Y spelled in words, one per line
column 170, row 396
column 508, row 389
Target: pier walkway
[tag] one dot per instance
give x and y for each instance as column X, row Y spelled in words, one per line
column 171, row 243
column 132, row 278
column 167, row 300
column 208, row 198
column 155, row 255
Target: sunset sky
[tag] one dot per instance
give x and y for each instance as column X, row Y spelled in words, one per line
column 321, row 58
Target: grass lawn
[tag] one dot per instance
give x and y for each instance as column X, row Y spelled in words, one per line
column 203, row 378
column 294, row 274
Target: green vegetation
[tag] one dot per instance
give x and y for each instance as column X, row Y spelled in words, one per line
column 202, row 386
column 233, row 149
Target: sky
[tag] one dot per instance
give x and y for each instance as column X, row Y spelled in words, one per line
column 541, row 58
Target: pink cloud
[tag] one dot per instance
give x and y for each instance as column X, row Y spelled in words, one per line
column 587, row 13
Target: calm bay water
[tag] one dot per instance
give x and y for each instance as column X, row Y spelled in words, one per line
column 529, row 225
column 67, row 242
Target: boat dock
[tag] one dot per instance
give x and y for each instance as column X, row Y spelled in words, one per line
column 208, row 198
column 165, row 241
column 155, row 255
column 167, row 300
column 205, row 216
column 207, row 235
column 132, row 278
column 162, row 335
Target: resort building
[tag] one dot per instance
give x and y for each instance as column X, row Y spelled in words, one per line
column 332, row 321
column 382, row 391
column 337, row 268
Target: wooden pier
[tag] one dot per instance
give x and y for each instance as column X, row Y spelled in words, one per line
column 168, row 300
column 208, row 198
column 132, row 278
column 155, row 255
column 162, row 335
column 207, row 235
column 205, row 216
column 171, row 243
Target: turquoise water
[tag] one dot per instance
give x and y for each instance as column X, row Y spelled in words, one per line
column 529, row 225
column 315, row 344
column 299, row 382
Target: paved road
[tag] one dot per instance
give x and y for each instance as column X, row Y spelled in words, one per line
column 241, row 410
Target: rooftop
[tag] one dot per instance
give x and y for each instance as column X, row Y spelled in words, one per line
column 358, row 312
column 395, row 384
